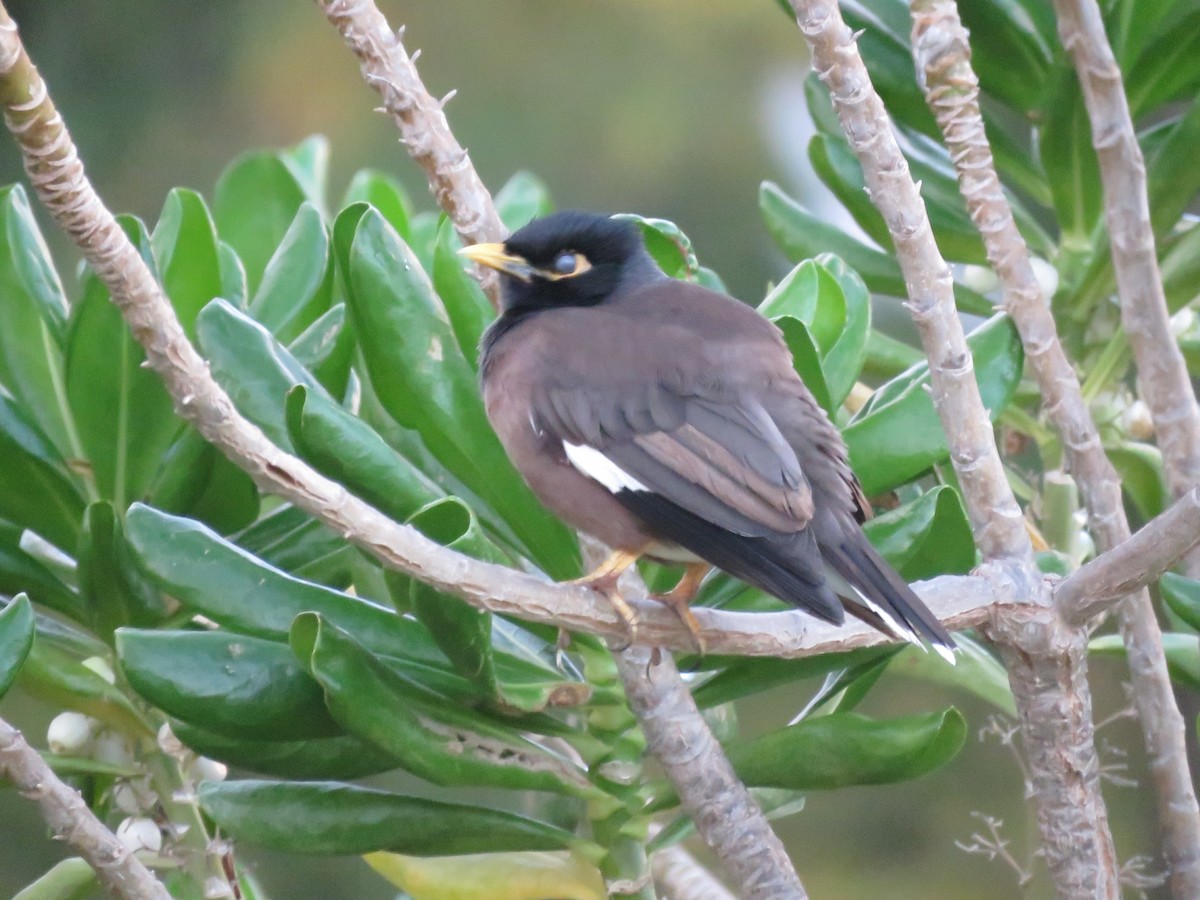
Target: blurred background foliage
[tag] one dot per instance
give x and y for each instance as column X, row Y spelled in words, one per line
column 669, row 109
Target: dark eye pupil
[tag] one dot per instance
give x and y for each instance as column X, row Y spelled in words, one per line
column 565, row 264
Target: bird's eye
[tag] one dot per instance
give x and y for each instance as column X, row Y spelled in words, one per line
column 566, row 264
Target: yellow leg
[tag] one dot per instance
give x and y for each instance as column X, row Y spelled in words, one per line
column 678, row 598
column 603, row 579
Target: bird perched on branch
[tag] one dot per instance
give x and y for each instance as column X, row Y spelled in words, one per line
column 668, row 421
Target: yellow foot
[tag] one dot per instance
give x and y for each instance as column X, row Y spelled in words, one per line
column 603, row 579
column 678, row 598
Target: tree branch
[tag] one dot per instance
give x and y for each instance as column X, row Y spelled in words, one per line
column 942, row 55
column 726, row 816
column 1137, row 562
column 1045, row 664
column 70, row 819
column 1161, row 372
column 425, row 133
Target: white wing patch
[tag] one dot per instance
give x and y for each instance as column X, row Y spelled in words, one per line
column 595, row 465
column 846, row 589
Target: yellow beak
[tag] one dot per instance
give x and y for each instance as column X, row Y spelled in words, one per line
column 494, row 256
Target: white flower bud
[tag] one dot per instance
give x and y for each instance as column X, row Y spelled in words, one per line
column 1046, row 275
column 113, row 748
column 168, row 743
column 1137, row 422
column 70, row 733
column 139, row 834
column 133, row 796
column 205, row 769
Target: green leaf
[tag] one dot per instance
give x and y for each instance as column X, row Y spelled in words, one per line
column 898, row 435
column 844, row 749
column 16, row 638
column 326, row 349
column 976, row 671
column 234, row 685
column 1182, row 652
column 339, row 819
column 802, row 235
column 1141, row 469
column 385, row 193
column 255, row 370
column 739, row 677
column 37, row 491
column 308, row 161
column 1168, row 72
column 125, row 417
column 346, row 449
column 522, row 198
column 928, row 536
column 185, row 245
column 411, row 351
column 22, row 571
column 843, row 362
column 32, row 320
column 109, row 584
column 1170, row 182
column 806, row 359
column 810, row 294
column 469, row 310
column 1065, row 146
column 668, row 245
column 233, row 276
column 195, row 479
column 341, row 756
column 1007, row 40
column 439, row 742
column 288, row 538
column 1182, row 596
column 69, row 879
column 256, row 200
column 297, row 285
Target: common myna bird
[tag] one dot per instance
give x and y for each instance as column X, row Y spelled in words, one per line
column 668, row 421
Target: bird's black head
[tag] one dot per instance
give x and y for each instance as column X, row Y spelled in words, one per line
column 567, row 258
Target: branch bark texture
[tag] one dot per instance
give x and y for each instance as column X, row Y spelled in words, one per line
column 1162, row 374
column 678, row 736
column 70, row 820
column 942, row 55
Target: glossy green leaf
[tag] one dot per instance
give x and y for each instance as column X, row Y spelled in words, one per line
column 233, row 276
column 326, row 349
column 738, row 677
column 1182, row 652
column 32, row 320
column 185, row 245
column 522, row 198
column 234, row 589
column 308, row 161
column 520, row 875
column 887, row 357
column 195, row 479
column 898, row 436
column 54, row 675
column 1065, row 147
column 110, row 585
column 333, row 818
column 439, row 742
column 411, row 352
column 385, row 193
column 340, row 756
column 255, row 370
column 290, row 539
column 349, row 451
column 297, row 284
column 844, row 749
column 668, row 245
column 69, row 879
column 1169, row 71
column 843, row 361
column 801, row 235
column 926, row 537
column 1008, row 39
column 21, row 571
column 37, row 491
column 256, row 200
column 1170, row 182
column 469, row 310
column 1182, row 596
column 811, row 294
column 16, row 638
column 1142, row 479
column 232, row 684
column 806, row 358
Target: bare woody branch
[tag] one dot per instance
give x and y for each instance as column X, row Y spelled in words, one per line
column 1046, row 663
column 1162, row 375
column 387, row 67
column 724, row 812
column 995, row 517
column 1137, row 562
column 70, row 820
column 942, row 55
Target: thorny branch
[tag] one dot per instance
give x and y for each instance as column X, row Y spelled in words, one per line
column 942, row 55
